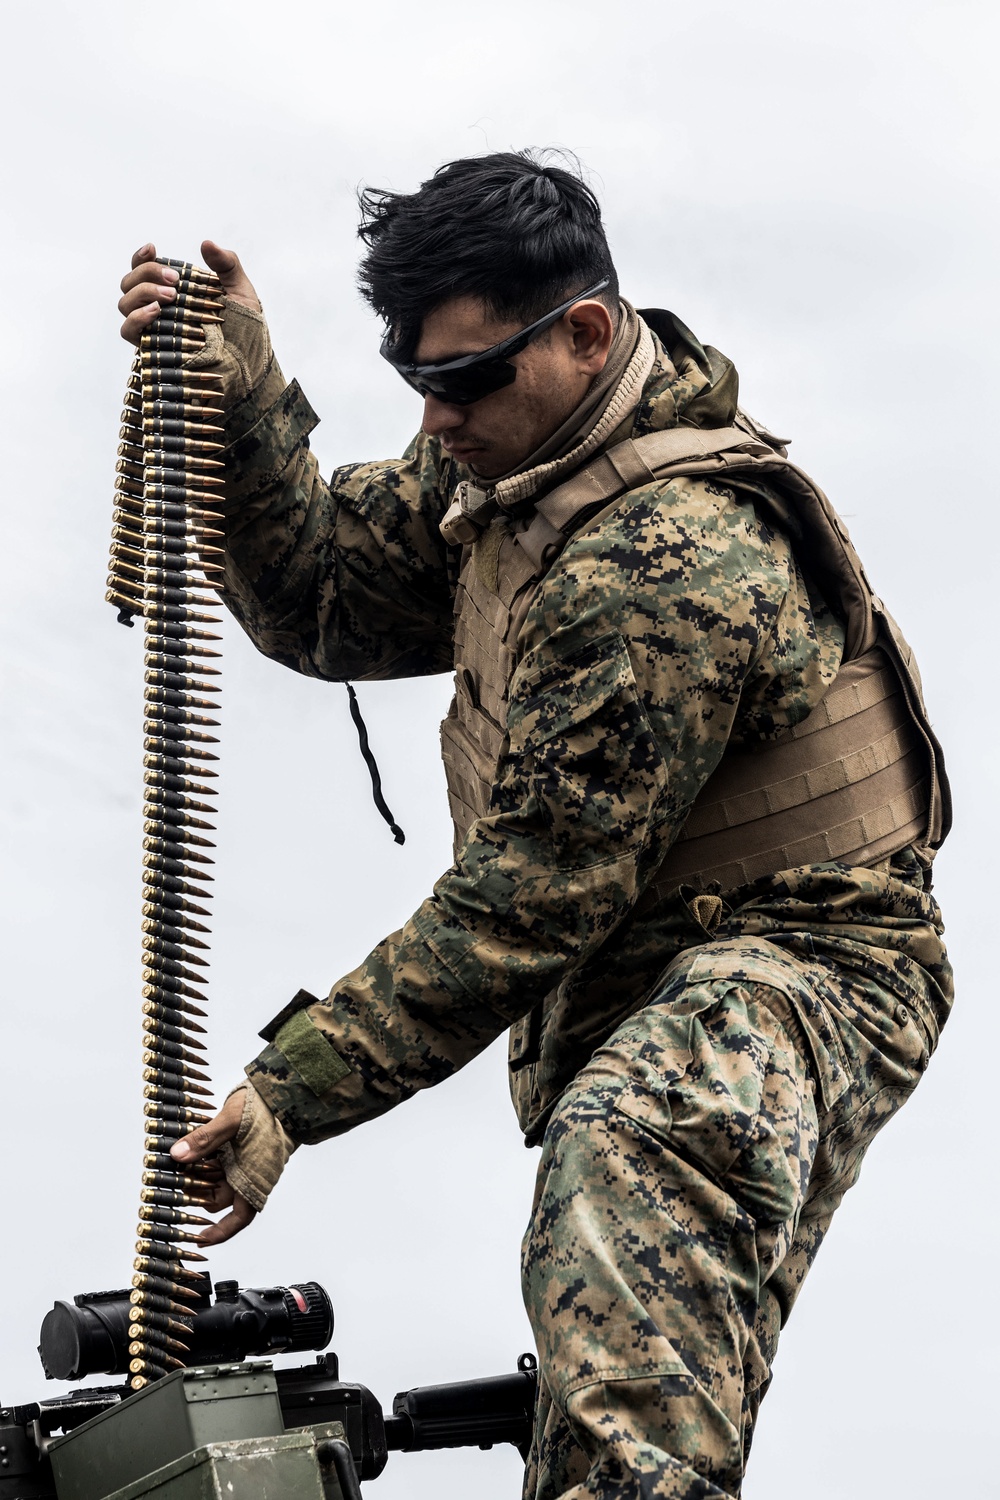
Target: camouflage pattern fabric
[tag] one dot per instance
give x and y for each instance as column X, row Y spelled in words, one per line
column 688, row 1176
column 699, row 1126
column 680, row 624
column 350, row 580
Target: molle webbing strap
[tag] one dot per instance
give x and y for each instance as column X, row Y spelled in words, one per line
column 639, row 461
column 848, row 783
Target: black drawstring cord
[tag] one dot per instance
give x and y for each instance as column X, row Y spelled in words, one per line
column 370, row 762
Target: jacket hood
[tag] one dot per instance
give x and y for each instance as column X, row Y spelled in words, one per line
column 694, row 385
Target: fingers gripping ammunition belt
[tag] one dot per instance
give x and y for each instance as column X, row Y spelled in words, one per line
column 165, row 567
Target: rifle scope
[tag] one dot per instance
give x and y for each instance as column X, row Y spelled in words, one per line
column 89, row 1335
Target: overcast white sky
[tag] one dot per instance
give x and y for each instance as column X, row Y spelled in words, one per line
column 811, row 187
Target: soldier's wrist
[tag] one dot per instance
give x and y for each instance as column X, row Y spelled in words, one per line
column 256, row 1157
column 247, row 338
column 239, row 351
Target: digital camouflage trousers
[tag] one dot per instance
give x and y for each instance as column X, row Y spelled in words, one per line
column 687, row 1179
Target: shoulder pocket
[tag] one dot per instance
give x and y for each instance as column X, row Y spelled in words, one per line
column 551, row 701
column 592, row 760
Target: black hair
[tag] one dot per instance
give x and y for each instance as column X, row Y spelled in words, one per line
column 520, row 234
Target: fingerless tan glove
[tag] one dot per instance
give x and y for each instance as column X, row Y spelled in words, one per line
column 238, row 349
column 255, row 1159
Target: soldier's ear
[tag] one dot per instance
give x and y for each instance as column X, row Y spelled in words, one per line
column 591, row 329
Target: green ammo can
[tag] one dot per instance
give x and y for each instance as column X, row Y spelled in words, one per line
column 209, row 1433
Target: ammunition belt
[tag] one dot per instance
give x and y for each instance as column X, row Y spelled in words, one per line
column 165, row 567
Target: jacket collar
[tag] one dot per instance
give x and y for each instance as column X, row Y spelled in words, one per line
column 667, row 376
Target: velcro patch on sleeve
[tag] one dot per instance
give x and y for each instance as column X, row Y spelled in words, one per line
column 310, row 1054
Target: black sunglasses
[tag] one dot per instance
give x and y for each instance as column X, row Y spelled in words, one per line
column 462, row 381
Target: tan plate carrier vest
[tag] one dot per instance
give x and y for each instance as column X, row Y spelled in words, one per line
column 857, row 780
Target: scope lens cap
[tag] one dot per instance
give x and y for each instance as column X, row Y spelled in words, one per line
column 59, row 1342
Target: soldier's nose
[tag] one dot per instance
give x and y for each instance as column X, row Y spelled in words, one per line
column 440, row 417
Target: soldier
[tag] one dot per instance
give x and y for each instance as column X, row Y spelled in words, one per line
column 695, row 793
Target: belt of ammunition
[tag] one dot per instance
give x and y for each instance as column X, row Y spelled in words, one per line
column 152, row 1340
column 150, row 1317
column 153, row 1303
column 177, row 632
column 170, row 998
column 168, row 974
column 166, row 564
column 165, row 898
column 169, row 1269
column 157, row 1207
column 172, row 792
column 160, row 1175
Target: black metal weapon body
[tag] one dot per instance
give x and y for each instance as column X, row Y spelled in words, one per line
column 108, row 1440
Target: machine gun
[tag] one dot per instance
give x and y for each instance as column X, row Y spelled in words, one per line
column 226, row 1422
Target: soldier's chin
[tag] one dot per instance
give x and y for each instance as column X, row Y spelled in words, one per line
column 486, row 465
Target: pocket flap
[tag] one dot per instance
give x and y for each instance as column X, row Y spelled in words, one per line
column 546, row 704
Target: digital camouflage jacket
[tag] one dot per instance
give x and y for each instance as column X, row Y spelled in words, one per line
column 548, row 921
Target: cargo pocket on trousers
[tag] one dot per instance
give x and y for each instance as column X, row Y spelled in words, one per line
column 697, row 1087
column 792, row 990
column 842, row 1151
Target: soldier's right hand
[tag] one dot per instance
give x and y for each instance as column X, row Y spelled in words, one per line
column 148, row 286
column 204, row 1143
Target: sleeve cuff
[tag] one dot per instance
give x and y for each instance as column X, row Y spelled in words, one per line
column 262, row 436
column 257, row 1156
column 297, row 1071
column 249, row 343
